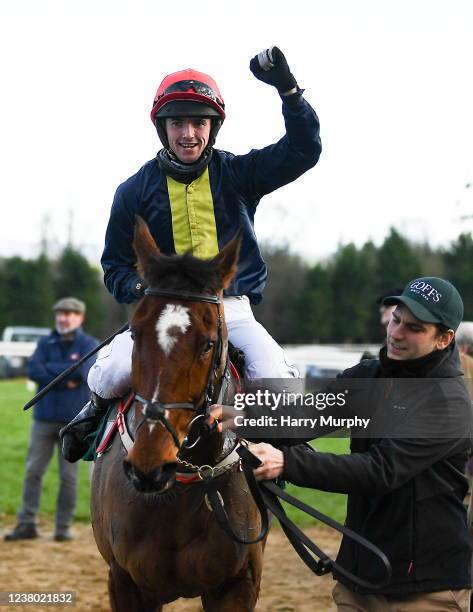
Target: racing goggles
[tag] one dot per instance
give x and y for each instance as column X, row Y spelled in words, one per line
column 197, row 86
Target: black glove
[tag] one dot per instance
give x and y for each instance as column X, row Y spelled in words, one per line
column 275, row 70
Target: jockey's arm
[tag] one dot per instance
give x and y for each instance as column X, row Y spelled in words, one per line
column 261, row 171
column 118, row 260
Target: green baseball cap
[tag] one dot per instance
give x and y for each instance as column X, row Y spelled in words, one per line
column 70, row 304
column 432, row 300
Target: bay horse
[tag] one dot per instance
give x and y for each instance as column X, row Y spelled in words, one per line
column 151, row 519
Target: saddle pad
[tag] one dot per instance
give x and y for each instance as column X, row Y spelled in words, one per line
column 236, row 376
column 114, row 420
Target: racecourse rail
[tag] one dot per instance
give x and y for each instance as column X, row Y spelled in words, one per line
column 330, row 357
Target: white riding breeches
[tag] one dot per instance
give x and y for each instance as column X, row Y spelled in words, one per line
column 110, row 376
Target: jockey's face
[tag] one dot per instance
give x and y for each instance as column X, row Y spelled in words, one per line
column 188, row 137
column 410, row 338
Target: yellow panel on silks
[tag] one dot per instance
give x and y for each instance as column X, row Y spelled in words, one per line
column 193, row 217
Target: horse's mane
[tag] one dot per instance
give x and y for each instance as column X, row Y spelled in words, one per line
column 183, row 272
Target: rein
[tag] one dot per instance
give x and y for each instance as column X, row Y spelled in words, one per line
column 271, row 493
column 266, row 496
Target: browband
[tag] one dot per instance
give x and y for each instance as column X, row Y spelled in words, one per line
column 181, row 295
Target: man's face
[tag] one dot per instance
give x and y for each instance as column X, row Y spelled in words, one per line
column 67, row 321
column 410, row 338
column 188, row 137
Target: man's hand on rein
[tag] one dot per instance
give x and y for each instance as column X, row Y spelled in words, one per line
column 272, row 461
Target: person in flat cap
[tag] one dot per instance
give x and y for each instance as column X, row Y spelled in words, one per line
column 55, row 353
column 386, row 310
column 406, row 484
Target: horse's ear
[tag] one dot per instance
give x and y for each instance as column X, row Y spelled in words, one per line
column 144, row 245
column 227, row 259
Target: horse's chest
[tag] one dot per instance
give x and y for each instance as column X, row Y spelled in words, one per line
column 180, row 550
column 189, row 570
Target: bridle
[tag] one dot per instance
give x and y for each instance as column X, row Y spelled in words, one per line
column 156, row 411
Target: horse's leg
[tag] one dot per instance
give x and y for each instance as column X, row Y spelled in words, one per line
column 238, row 594
column 124, row 595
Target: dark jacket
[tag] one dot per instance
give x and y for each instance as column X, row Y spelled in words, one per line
column 237, row 183
column 405, row 494
column 52, row 356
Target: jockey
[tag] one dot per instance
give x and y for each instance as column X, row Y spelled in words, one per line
column 195, row 198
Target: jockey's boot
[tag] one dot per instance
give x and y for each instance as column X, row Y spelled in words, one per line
column 73, row 435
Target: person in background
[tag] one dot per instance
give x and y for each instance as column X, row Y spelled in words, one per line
column 385, row 310
column 54, row 354
column 385, row 316
column 464, row 340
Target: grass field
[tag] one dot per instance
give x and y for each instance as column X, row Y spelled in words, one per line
column 16, row 427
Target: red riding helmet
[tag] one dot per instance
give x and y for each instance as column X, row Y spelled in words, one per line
column 179, row 91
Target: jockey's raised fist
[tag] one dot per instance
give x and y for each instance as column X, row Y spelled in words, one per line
column 271, row 67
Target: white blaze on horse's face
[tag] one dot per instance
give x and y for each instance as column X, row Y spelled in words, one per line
column 175, row 318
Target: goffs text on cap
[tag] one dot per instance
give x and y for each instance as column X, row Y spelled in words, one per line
column 432, row 300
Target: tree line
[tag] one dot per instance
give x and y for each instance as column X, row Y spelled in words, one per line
column 333, row 301
column 30, row 287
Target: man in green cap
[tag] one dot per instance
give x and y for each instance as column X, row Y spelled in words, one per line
column 55, row 353
column 406, row 486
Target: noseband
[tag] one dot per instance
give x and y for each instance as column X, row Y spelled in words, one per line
column 156, row 411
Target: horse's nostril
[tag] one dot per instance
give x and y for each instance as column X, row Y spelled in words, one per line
column 128, row 468
column 168, row 471
column 131, row 471
column 153, row 480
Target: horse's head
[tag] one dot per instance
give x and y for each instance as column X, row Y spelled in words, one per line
column 179, row 354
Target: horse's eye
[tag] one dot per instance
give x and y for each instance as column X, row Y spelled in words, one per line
column 132, row 334
column 208, row 347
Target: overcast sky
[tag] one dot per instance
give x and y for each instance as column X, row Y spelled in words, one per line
column 391, row 82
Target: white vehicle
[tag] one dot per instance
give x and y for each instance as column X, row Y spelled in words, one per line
column 24, row 334
column 13, row 362
column 327, row 360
